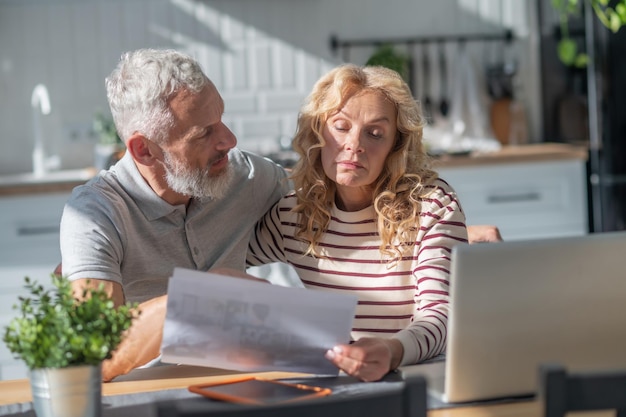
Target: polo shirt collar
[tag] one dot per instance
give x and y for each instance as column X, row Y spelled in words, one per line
column 152, row 206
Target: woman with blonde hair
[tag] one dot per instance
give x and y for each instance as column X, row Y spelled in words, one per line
column 368, row 217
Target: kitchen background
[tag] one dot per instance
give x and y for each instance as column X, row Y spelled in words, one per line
column 263, row 55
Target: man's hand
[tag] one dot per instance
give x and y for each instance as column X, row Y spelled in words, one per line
column 368, row 359
column 483, row 234
column 142, row 342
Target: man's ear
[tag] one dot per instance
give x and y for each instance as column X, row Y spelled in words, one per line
column 141, row 149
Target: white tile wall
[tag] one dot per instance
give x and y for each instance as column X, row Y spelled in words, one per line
column 260, row 77
column 263, row 56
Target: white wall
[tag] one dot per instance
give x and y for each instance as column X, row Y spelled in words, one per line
column 263, row 55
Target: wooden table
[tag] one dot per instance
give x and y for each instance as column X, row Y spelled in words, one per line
column 177, row 377
column 142, row 380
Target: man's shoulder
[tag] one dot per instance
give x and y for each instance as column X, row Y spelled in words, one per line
column 253, row 159
column 101, row 190
column 257, row 166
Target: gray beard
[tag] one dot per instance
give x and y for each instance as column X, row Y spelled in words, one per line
column 197, row 183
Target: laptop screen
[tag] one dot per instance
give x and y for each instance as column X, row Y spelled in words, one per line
column 515, row 305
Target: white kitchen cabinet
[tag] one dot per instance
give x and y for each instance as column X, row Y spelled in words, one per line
column 29, row 246
column 526, row 200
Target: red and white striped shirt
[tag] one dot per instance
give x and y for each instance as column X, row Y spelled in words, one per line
column 407, row 300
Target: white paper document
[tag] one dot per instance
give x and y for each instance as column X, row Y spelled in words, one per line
column 251, row 326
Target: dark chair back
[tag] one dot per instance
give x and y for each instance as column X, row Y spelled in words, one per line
column 409, row 401
column 563, row 391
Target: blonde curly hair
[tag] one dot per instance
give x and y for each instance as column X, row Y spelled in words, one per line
column 396, row 193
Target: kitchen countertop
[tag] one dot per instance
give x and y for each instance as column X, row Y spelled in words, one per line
column 515, row 154
column 11, row 185
column 54, row 181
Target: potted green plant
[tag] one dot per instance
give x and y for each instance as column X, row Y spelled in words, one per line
column 110, row 147
column 63, row 342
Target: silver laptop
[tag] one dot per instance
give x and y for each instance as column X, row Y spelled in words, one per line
column 515, row 305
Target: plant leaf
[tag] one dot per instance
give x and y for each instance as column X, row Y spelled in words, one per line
column 54, row 330
column 567, row 51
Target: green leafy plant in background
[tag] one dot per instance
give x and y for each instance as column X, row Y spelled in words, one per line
column 611, row 15
column 54, row 330
column 386, row 56
column 104, row 128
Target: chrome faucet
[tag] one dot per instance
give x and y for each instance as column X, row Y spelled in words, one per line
column 40, row 102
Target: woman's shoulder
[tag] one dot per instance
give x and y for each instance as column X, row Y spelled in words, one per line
column 288, row 201
column 440, row 190
column 441, row 184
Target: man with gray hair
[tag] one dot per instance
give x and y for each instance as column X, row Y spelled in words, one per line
column 182, row 196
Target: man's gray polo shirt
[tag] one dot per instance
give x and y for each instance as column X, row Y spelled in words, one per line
column 116, row 228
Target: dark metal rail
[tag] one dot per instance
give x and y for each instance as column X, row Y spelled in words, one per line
column 337, row 44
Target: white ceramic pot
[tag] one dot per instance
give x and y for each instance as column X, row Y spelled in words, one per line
column 74, row 391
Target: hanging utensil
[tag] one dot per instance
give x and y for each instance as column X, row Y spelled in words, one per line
column 468, row 115
column 444, row 104
column 416, row 73
column 426, row 80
